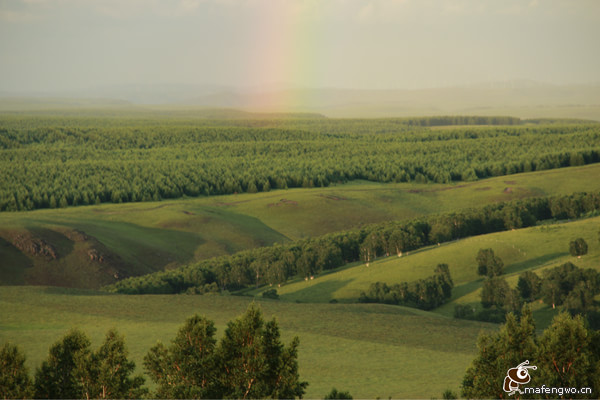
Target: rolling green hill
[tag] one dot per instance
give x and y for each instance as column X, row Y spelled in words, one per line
column 368, row 349
column 536, row 248
column 91, row 246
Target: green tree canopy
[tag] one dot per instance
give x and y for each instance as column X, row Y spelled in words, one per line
column 335, row 395
column 62, row 374
column 249, row 362
column 578, row 247
column 73, row 371
column 186, row 369
column 513, row 344
column 253, row 363
column 567, row 354
column 529, row 285
column 15, row 382
column 488, row 263
column 109, row 371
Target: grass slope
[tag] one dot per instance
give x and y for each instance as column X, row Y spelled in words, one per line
column 137, row 238
column 371, row 350
column 132, row 239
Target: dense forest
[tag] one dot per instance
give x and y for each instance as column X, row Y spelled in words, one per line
column 305, row 258
column 52, row 162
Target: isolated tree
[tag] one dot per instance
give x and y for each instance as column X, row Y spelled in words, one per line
column 186, row 369
column 488, row 263
column 578, row 247
column 15, row 382
column 64, row 373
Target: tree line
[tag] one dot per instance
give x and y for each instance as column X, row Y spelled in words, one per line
column 425, row 294
column 249, row 362
column 566, row 285
column 54, row 163
column 305, row 258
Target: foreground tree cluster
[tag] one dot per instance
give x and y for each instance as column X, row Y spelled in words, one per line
column 249, row 362
column 566, row 354
column 276, row 264
column 73, row 371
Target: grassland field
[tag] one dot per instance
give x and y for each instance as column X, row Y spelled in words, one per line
column 138, row 238
column 369, row 349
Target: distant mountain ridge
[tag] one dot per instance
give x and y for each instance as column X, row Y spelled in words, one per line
column 522, row 98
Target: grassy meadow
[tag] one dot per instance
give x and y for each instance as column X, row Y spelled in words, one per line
column 371, row 350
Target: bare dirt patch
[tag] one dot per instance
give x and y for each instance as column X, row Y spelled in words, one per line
column 33, row 245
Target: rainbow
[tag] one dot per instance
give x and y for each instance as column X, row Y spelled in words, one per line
column 287, row 55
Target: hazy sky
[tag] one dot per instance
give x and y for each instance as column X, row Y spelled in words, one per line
column 74, row 44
